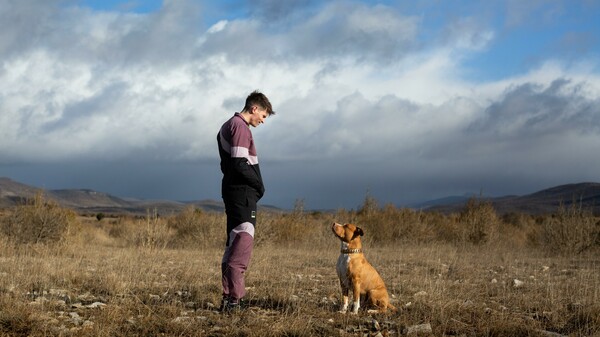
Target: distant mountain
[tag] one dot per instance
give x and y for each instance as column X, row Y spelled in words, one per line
column 12, row 192
column 89, row 201
column 87, row 198
column 586, row 195
column 452, row 200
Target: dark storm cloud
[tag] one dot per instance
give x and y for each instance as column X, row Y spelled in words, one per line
column 530, row 110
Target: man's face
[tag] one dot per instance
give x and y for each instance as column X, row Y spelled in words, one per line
column 258, row 116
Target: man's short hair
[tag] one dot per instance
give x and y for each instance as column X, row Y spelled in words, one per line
column 259, row 99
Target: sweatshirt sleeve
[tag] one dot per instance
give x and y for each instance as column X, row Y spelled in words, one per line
column 243, row 169
column 245, row 163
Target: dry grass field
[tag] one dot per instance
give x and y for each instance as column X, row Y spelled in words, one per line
column 467, row 274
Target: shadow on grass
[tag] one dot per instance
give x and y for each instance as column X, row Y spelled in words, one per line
column 284, row 306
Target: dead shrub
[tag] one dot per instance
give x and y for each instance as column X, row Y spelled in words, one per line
column 38, row 221
column 186, row 225
column 572, row 230
column 152, row 232
column 391, row 224
column 118, row 230
column 284, row 229
column 193, row 227
column 369, row 208
column 383, row 224
column 449, row 230
column 478, row 222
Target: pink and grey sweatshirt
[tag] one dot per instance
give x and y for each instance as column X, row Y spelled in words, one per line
column 239, row 161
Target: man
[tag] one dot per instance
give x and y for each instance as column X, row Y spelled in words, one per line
column 241, row 188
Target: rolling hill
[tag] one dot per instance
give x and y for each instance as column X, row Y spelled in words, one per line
column 586, row 195
column 13, row 193
column 89, row 201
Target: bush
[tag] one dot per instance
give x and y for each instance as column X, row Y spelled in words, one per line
column 478, row 222
column 572, row 230
column 153, row 233
column 390, row 224
column 195, row 228
column 38, row 221
column 187, row 224
column 294, row 229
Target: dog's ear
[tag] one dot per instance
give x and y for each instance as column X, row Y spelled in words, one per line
column 357, row 232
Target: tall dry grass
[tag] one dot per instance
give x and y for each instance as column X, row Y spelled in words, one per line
column 126, row 276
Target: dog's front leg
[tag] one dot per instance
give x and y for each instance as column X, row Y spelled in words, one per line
column 356, row 296
column 345, row 291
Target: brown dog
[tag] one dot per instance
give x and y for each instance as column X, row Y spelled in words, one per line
column 354, row 271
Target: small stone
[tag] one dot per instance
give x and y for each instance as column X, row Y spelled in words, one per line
column 75, row 319
column 421, row 328
column 96, row 305
column 420, row 293
column 376, row 325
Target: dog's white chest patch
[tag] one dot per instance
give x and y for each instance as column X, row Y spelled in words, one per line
column 342, row 269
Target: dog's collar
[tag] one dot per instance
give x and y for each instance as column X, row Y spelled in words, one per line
column 351, row 251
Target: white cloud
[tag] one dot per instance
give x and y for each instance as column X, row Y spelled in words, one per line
column 352, row 87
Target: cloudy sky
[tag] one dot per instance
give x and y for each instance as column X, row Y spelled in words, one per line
column 404, row 100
